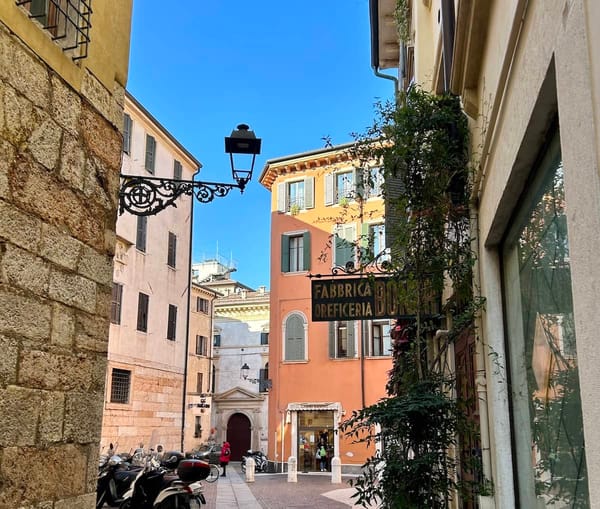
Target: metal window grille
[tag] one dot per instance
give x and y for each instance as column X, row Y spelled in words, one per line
column 67, row 21
column 119, row 387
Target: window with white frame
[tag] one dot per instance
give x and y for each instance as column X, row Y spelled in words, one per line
column 344, row 244
column 373, row 241
column 296, row 195
column 340, row 186
column 294, row 334
column 342, row 339
column 378, row 342
column 373, row 182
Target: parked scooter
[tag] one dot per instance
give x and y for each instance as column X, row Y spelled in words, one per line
column 114, row 479
column 261, row 462
column 155, row 487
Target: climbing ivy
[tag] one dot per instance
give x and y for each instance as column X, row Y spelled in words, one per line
column 422, row 144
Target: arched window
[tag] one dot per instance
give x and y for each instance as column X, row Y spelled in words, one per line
column 294, row 334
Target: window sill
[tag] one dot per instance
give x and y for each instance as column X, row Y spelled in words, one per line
column 296, row 273
column 305, row 361
column 342, row 359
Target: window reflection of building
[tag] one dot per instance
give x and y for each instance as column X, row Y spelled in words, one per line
column 543, row 359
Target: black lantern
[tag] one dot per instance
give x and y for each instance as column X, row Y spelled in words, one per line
column 244, row 371
column 147, row 196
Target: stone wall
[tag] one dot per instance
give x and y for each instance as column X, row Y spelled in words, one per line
column 59, row 177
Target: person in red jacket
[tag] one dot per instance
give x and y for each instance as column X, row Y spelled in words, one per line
column 224, row 458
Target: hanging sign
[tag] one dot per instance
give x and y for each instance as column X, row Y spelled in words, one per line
column 364, row 298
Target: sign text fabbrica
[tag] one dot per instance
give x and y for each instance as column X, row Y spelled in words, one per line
column 364, row 298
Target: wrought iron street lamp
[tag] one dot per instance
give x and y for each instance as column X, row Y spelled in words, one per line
column 245, row 371
column 147, row 196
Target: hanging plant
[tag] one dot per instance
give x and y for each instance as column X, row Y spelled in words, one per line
column 402, row 15
column 422, row 141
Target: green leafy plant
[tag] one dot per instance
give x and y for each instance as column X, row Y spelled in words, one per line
column 422, row 141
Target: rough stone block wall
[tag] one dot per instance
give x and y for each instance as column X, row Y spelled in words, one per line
column 59, row 175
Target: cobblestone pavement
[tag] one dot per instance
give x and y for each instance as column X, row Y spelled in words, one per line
column 272, row 491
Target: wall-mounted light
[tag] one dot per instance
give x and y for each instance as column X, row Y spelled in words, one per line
column 147, row 196
column 245, row 371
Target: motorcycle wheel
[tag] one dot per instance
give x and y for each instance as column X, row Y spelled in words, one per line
column 126, row 504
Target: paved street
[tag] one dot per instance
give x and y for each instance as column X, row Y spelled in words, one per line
column 272, row 491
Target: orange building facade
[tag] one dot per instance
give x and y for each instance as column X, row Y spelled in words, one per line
column 325, row 210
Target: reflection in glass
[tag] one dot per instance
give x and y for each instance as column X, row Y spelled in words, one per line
column 539, row 256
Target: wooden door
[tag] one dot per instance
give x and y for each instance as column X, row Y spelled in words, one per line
column 238, row 435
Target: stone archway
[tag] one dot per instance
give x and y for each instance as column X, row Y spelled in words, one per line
column 238, row 435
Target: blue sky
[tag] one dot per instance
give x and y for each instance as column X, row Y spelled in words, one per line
column 295, row 72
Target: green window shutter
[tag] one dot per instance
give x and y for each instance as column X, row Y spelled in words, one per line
column 281, row 197
column 309, row 193
column 294, row 339
column 306, row 245
column 285, row 253
column 351, row 352
column 329, row 189
column 332, row 326
column 364, row 241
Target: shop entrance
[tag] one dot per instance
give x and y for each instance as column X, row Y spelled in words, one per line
column 315, row 429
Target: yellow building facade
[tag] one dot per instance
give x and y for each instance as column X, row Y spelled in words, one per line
column 528, row 77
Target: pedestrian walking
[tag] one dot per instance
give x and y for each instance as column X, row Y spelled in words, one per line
column 224, row 458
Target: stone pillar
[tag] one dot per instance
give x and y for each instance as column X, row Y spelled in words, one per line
column 336, row 470
column 292, row 469
column 60, row 156
column 250, row 466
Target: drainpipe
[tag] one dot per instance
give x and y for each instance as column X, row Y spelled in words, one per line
column 187, row 321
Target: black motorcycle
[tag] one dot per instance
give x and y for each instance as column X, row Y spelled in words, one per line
column 114, row 478
column 156, row 487
column 261, row 462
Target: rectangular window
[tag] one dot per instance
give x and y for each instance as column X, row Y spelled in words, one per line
column 199, row 382
column 68, row 21
column 177, row 171
column 217, row 340
column 127, row 125
column 172, row 322
column 264, row 338
column 140, row 237
column 202, row 305
column 264, row 384
column 149, row 161
column 340, row 187
column 119, row 386
column 379, row 343
column 547, row 416
column 342, row 339
column 172, row 250
column 374, row 183
column 201, row 345
column 295, row 196
column 142, row 314
column 115, row 305
column 344, row 245
column 295, row 252
column 197, row 426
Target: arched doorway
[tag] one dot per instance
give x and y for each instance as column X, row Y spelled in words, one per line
column 238, row 435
